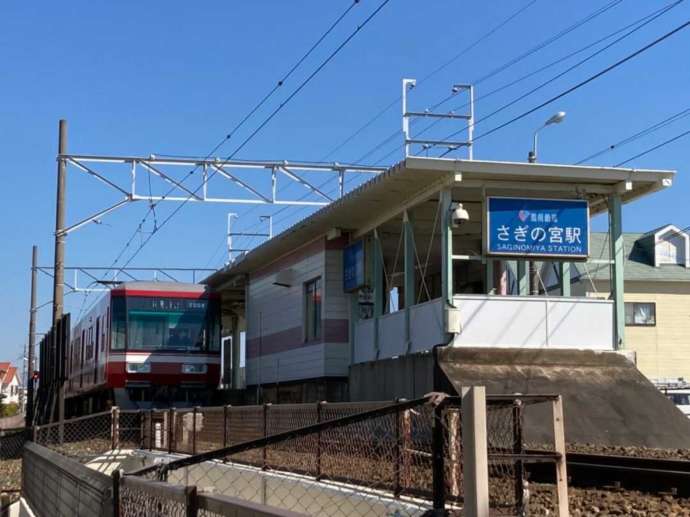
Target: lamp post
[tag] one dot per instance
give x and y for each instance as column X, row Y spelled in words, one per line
column 557, row 118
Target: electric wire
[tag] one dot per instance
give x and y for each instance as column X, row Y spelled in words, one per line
column 583, row 82
column 546, row 67
column 260, row 127
column 640, row 134
column 566, row 71
column 513, row 61
column 654, row 148
column 228, row 136
column 440, row 68
column 436, row 71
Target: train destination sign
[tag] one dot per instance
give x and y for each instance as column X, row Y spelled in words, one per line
column 538, row 227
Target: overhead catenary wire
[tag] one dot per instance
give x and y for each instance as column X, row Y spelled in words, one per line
column 237, row 126
column 466, row 49
column 583, row 82
column 591, row 56
column 654, row 148
column 263, row 124
column 511, row 62
column 553, row 63
column 424, row 79
column 228, row 136
column 640, row 134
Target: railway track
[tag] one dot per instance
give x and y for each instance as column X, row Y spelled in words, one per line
column 651, row 475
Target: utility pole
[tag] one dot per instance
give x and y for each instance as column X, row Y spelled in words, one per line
column 59, row 265
column 59, row 272
column 29, row 414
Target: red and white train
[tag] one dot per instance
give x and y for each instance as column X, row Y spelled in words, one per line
column 145, row 344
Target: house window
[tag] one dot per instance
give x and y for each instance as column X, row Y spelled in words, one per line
column 640, row 314
column 312, row 312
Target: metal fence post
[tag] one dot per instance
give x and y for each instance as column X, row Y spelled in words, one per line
column 116, row 492
column 115, row 427
column 397, row 451
column 518, row 449
column 454, row 451
column 265, row 451
column 226, row 411
column 474, row 452
column 559, row 446
column 437, row 459
column 191, row 502
column 194, row 416
column 151, row 440
column 319, row 410
column 171, row 430
column 142, row 429
column 4, row 504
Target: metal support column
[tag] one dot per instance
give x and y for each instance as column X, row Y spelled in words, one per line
column 446, row 247
column 378, row 294
column 32, row 342
column 564, row 278
column 410, row 280
column 617, row 279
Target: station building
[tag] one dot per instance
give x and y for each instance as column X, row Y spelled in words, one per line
column 420, row 279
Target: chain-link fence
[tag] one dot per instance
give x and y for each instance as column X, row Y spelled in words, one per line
column 82, row 438
column 11, row 445
column 369, row 458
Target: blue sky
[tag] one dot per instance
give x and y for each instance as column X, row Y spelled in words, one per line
column 135, row 78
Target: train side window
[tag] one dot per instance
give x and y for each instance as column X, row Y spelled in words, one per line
column 118, row 323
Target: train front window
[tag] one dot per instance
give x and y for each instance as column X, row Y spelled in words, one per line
column 171, row 324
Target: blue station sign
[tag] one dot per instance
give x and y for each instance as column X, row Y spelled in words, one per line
column 538, row 227
column 353, row 266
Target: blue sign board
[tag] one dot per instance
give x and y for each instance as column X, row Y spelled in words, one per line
column 538, row 227
column 353, row 266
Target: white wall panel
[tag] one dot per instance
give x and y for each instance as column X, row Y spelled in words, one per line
column 426, row 325
column 364, row 341
column 392, row 340
column 535, row 322
column 281, row 308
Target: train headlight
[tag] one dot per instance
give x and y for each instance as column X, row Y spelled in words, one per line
column 138, row 367
column 193, row 368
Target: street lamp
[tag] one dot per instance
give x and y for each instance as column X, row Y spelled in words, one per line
column 557, row 118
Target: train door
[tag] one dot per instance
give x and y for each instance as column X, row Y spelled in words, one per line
column 81, row 358
column 96, row 351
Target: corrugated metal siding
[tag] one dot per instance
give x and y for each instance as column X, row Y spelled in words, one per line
column 276, row 351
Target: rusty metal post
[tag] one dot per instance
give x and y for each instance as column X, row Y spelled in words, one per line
column 264, row 454
column 115, row 427
column 194, row 416
column 454, row 451
column 319, row 409
column 226, row 411
column 191, row 502
column 116, row 492
column 518, row 448
column 437, row 459
column 171, row 430
column 151, row 437
column 397, row 448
